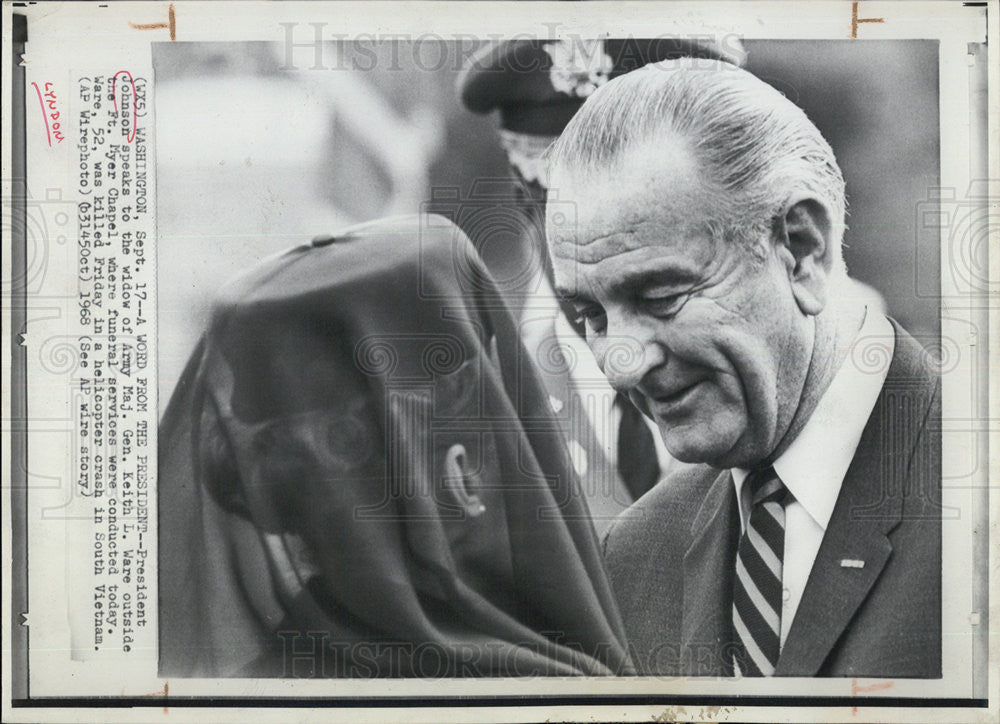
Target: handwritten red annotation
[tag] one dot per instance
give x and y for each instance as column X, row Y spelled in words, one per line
column 50, row 113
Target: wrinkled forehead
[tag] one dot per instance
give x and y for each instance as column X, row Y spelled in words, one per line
column 628, row 203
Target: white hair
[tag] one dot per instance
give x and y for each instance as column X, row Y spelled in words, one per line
column 756, row 147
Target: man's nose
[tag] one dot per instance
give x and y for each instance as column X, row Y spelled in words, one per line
column 627, row 353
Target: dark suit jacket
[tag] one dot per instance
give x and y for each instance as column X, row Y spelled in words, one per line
column 671, row 555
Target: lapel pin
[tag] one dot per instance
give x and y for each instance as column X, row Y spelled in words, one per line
column 556, row 403
column 851, row 563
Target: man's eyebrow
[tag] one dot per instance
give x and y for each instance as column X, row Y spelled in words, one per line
column 666, row 275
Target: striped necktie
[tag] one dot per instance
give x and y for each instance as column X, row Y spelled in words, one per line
column 757, row 586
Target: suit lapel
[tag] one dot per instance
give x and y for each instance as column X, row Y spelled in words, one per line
column 869, row 507
column 706, row 625
column 834, row 590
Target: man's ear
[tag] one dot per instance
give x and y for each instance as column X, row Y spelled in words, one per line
column 805, row 231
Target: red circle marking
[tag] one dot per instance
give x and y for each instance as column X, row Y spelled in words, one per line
column 114, row 95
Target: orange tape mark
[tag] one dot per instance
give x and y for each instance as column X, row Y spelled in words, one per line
column 171, row 24
column 855, row 20
column 858, row 689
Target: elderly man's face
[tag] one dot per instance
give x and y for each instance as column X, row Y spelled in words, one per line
column 708, row 338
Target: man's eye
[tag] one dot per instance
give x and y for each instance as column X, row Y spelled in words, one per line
column 593, row 318
column 664, row 306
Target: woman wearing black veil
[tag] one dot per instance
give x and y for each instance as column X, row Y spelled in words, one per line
column 360, row 475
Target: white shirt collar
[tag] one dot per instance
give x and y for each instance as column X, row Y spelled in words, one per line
column 814, row 465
